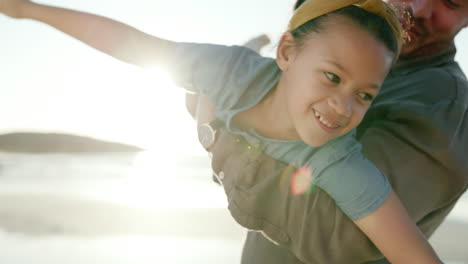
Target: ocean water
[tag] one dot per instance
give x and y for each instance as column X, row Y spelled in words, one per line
column 133, row 208
column 141, row 179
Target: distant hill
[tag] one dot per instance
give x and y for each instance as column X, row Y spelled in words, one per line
column 56, row 142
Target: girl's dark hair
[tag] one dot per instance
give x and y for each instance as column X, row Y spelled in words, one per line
column 373, row 23
column 298, row 4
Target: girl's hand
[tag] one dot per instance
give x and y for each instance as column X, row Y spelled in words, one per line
column 12, row 8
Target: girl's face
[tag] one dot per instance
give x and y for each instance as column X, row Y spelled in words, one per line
column 329, row 82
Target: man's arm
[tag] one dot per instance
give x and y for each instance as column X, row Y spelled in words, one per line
column 257, row 43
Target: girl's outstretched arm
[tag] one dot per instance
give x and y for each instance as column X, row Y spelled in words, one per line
column 395, row 234
column 109, row 36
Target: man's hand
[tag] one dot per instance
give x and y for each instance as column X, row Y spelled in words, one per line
column 258, row 42
column 12, row 8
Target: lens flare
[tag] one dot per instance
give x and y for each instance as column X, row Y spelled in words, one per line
column 301, row 180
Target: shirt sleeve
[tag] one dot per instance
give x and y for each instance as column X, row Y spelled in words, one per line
column 212, row 70
column 356, row 185
column 195, row 66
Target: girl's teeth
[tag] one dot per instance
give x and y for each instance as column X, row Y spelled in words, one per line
column 324, row 121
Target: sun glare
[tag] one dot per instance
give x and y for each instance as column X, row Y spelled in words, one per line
column 146, row 109
column 156, row 180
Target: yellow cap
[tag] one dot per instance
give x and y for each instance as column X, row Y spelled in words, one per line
column 311, row 9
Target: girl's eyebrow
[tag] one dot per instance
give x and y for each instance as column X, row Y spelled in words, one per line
column 336, row 64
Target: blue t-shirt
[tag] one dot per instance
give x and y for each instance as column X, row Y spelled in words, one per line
column 237, row 78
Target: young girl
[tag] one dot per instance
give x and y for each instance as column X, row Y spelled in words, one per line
column 300, row 108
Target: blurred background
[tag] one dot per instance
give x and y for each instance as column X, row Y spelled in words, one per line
column 99, row 161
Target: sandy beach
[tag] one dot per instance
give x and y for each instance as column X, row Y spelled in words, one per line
column 52, row 229
column 42, row 215
column 77, row 230
column 94, row 209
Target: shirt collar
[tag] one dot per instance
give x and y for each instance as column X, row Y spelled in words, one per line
column 440, row 58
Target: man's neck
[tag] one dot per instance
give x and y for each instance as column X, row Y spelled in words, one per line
column 443, row 56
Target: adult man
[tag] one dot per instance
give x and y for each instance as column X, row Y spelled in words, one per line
column 416, row 133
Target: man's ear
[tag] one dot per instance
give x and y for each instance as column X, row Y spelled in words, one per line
column 286, row 51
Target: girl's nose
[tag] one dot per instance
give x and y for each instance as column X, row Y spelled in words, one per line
column 342, row 105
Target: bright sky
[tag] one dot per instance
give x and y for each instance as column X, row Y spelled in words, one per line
column 51, row 82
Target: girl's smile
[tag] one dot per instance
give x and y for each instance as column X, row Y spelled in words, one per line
column 328, row 124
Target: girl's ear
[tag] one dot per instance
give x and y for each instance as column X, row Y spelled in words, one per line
column 286, row 51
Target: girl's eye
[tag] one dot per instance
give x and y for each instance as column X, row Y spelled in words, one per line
column 454, row 4
column 366, row 96
column 332, row 77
